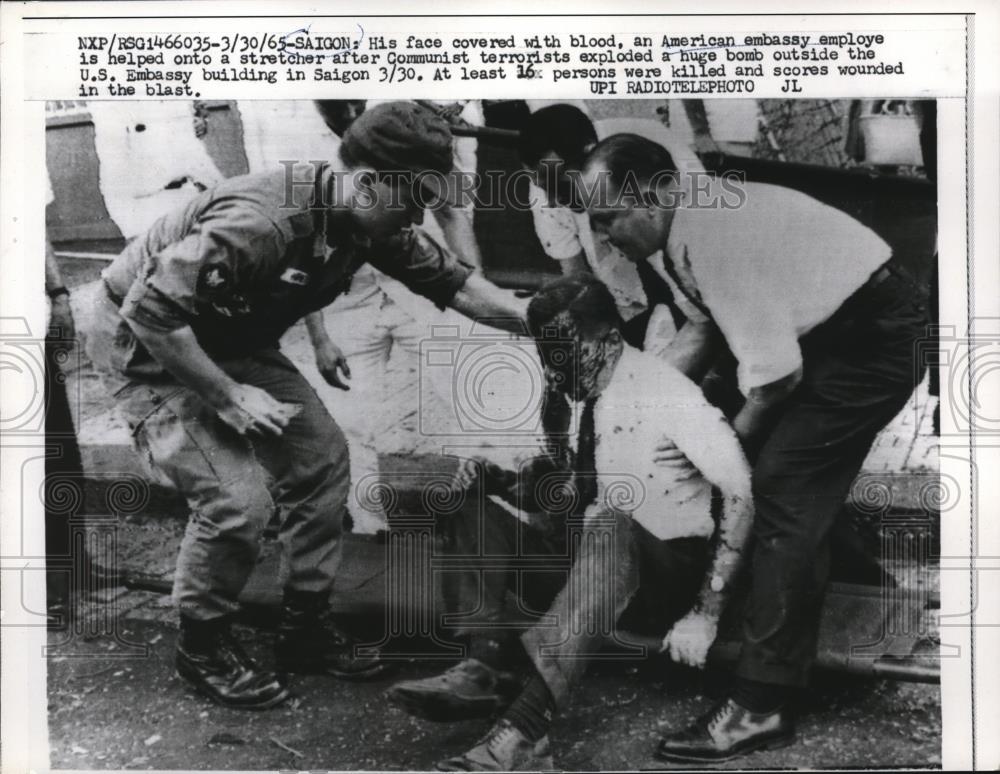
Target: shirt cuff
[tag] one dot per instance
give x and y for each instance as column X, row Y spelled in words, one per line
column 455, row 281
column 151, row 309
column 757, row 373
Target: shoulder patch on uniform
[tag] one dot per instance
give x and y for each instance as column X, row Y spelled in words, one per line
column 295, row 277
column 214, row 279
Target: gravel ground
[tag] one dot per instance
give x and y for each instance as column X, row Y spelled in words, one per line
column 110, row 708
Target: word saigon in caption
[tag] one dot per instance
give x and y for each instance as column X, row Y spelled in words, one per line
column 611, row 65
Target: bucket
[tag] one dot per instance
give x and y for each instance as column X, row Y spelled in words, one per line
column 891, row 136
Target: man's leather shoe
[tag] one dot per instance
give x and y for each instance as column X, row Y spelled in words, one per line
column 214, row 663
column 470, row 689
column 727, row 732
column 310, row 642
column 504, row 748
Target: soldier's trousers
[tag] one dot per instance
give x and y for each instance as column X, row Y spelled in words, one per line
column 233, row 484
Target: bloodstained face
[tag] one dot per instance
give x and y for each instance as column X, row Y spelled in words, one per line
column 572, row 360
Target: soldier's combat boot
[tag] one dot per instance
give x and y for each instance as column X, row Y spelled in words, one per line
column 310, row 642
column 210, row 658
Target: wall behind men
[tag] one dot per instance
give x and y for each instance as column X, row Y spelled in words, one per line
column 78, row 218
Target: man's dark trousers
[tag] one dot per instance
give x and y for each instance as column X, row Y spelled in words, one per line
column 859, row 370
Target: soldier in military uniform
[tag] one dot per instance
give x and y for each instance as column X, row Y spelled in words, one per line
column 187, row 334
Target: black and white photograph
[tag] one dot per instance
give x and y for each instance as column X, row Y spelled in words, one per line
column 493, row 435
column 499, row 387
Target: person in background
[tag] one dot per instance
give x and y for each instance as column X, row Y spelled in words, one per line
column 64, row 467
column 186, row 335
column 822, row 323
column 553, row 144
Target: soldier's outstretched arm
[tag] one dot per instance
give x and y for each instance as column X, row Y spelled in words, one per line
column 480, row 299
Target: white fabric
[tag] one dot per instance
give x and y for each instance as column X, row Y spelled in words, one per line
column 649, row 401
column 284, row 129
column 729, row 120
column 771, row 270
column 534, row 105
column 141, row 147
column 660, row 330
column 733, row 120
column 381, row 412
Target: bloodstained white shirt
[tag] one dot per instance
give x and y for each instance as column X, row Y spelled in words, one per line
column 649, row 401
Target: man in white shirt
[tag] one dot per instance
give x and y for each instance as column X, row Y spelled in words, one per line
column 823, row 328
column 645, row 539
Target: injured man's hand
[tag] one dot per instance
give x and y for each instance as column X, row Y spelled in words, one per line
column 689, row 640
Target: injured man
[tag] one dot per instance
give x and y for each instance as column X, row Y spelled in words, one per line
column 664, row 512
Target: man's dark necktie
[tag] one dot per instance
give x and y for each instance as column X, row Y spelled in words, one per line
column 585, row 464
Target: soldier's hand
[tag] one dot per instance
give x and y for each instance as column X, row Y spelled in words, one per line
column 690, row 638
column 331, row 362
column 252, row 411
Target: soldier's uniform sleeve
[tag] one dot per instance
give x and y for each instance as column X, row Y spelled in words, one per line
column 221, row 255
column 424, row 266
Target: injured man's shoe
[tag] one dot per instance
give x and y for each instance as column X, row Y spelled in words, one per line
column 470, row 689
column 504, row 748
column 211, row 660
column 310, row 642
column 727, row 732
